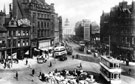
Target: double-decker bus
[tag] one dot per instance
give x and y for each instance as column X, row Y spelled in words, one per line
column 110, row 69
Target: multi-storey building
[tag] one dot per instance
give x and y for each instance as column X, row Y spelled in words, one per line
column 3, row 37
column 41, row 16
column 57, row 29
column 60, row 29
column 67, row 28
column 119, row 26
column 18, row 38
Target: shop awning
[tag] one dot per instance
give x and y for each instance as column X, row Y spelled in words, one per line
column 27, row 53
column 36, row 49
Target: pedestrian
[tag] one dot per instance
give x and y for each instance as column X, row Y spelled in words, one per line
column 55, row 70
column 33, row 72
column 50, row 64
column 26, row 61
column 16, row 75
column 40, row 75
column 77, row 56
column 81, row 65
column 72, row 56
column 129, row 71
column 5, row 64
column 43, row 77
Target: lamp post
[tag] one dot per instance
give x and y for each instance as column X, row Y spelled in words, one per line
column 109, row 45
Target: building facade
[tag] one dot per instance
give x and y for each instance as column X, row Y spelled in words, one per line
column 67, row 29
column 41, row 16
column 18, row 39
column 3, row 37
column 60, row 29
column 119, row 26
column 57, row 29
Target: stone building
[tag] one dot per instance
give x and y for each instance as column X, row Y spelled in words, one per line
column 18, row 38
column 119, row 25
column 57, row 29
column 3, row 37
column 41, row 16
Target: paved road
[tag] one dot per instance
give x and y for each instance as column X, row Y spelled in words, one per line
column 7, row 77
column 126, row 78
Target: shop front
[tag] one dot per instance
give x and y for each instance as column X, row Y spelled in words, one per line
column 127, row 53
column 2, row 55
column 44, row 45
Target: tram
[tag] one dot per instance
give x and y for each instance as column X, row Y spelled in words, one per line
column 110, row 69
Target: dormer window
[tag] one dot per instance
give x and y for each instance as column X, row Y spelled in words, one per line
column 12, row 22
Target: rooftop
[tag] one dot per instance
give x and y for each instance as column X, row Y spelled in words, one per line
column 110, row 59
column 2, row 29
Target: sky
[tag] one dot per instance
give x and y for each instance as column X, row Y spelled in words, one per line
column 76, row 10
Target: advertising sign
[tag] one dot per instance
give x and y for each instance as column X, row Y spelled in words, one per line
column 23, row 21
column 44, row 45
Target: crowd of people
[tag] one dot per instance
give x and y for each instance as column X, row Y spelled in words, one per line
column 76, row 76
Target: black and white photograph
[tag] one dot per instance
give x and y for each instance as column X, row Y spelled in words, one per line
column 67, row 41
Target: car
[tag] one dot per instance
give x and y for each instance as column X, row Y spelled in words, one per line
column 81, row 43
column 88, row 51
column 62, row 58
column 81, row 48
column 41, row 59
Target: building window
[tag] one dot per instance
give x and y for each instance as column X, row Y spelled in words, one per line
column 27, row 32
column 47, row 24
column 23, row 33
column 14, row 42
column 19, row 33
column 23, row 42
column 12, row 22
column 14, row 33
column 9, row 42
column 42, row 16
column 42, row 24
column 19, row 43
column 10, row 33
column 132, row 40
column 38, row 33
column 38, row 15
column 38, row 24
column 27, row 42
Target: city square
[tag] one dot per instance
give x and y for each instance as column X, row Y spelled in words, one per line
column 67, row 42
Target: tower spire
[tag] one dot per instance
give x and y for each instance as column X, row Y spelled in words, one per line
column 4, row 9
